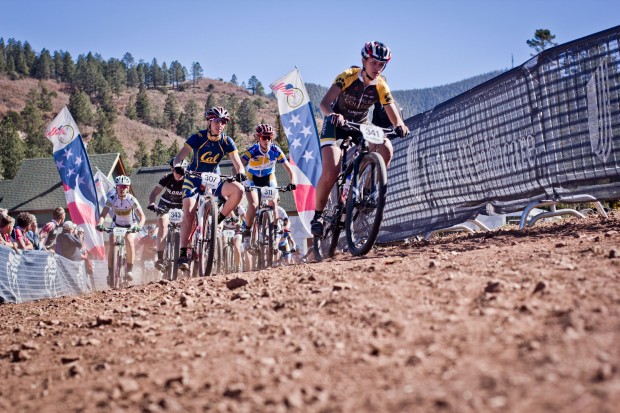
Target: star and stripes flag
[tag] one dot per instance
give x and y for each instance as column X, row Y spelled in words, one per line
column 303, row 140
column 77, row 179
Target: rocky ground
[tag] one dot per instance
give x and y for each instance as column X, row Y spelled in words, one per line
column 509, row 321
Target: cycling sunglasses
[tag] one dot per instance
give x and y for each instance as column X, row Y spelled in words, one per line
column 179, row 170
column 221, row 121
column 122, row 186
column 266, row 138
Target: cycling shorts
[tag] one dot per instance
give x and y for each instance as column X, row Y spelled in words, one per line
column 191, row 187
column 332, row 134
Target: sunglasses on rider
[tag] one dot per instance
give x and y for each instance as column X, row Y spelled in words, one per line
column 179, row 170
column 122, row 186
column 266, row 138
column 221, row 121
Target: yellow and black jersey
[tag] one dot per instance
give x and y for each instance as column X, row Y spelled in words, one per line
column 355, row 99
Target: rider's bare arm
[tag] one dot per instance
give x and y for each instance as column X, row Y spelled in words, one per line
column 156, row 191
column 236, row 161
column 185, row 150
column 394, row 116
column 290, row 171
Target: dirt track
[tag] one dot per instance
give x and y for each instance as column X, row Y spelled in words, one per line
column 504, row 322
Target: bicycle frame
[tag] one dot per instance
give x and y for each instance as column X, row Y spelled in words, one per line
column 335, row 216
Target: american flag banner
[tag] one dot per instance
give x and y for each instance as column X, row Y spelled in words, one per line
column 303, row 141
column 77, row 179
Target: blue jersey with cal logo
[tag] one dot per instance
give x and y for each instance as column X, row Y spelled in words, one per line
column 207, row 153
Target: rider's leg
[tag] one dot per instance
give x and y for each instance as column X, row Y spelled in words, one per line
column 330, row 164
column 233, row 191
column 130, row 251
column 162, row 232
column 252, row 198
column 386, row 151
column 189, row 213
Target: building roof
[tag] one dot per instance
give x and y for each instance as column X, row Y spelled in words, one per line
column 144, row 179
column 37, row 187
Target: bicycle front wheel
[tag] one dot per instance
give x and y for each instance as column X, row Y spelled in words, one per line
column 365, row 204
column 206, row 254
column 265, row 240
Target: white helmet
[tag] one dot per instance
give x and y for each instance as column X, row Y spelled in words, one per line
column 122, row 180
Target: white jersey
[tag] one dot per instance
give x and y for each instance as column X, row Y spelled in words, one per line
column 123, row 209
column 282, row 213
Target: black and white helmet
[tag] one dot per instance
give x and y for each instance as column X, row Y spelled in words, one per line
column 377, row 51
column 217, row 112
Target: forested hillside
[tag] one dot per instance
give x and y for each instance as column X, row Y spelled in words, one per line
column 145, row 110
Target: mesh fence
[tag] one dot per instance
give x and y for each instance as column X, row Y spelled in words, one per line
column 543, row 130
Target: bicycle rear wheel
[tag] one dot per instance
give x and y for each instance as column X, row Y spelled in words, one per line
column 365, row 204
column 325, row 246
column 265, row 240
column 206, row 253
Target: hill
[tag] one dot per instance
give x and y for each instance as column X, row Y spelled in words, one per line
column 14, row 95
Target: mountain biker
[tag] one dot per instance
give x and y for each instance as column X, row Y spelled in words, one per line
column 209, row 147
column 348, row 99
column 261, row 159
column 125, row 208
column 172, row 198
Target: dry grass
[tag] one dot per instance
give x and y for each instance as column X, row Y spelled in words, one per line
column 13, row 95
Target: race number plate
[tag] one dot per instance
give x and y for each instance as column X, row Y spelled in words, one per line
column 372, row 134
column 268, row 193
column 228, row 233
column 210, row 180
column 176, row 216
column 119, row 231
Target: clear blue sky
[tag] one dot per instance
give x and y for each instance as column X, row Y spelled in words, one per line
column 434, row 42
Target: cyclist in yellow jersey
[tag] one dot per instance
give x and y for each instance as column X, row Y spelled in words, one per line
column 349, row 98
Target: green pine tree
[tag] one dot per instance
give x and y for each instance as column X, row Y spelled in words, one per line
column 13, row 149
column 171, row 111
column 542, row 39
column 159, row 153
column 143, row 106
column 80, row 107
column 246, row 116
column 141, row 156
column 281, row 136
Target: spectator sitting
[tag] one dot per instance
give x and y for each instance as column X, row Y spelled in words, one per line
column 24, row 219
column 6, row 227
column 68, row 244
column 32, row 234
column 47, row 236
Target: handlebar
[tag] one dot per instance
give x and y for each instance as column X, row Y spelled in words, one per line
column 111, row 229
column 257, row 188
column 227, row 178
